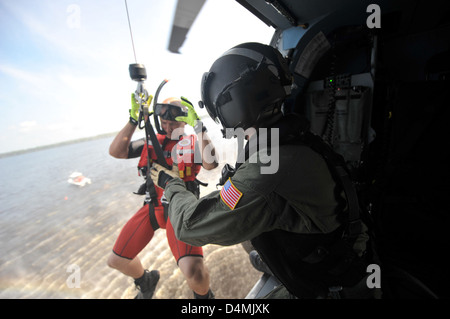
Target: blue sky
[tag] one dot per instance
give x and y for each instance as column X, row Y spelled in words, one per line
column 64, row 64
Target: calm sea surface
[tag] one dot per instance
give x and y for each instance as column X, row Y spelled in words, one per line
column 51, row 230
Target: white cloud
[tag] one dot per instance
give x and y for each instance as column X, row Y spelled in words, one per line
column 21, row 75
column 27, row 124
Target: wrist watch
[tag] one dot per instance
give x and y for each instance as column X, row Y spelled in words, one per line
column 133, row 121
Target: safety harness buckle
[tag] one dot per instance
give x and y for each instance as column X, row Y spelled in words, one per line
column 354, row 228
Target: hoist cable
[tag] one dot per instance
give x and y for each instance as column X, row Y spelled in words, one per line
column 131, row 33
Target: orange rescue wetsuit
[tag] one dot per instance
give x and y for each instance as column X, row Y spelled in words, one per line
column 138, row 231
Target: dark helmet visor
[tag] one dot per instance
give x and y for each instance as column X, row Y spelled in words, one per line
column 210, row 108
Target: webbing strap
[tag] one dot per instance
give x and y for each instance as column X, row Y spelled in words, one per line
column 337, row 164
column 166, row 211
column 151, row 214
column 152, row 201
column 160, row 159
column 354, row 223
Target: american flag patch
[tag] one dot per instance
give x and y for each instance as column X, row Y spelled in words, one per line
column 230, row 194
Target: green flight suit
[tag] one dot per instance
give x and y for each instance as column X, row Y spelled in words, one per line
column 302, row 181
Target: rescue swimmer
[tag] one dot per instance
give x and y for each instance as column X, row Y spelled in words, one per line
column 174, row 114
column 295, row 217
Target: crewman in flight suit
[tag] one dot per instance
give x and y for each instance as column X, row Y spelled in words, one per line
column 295, row 216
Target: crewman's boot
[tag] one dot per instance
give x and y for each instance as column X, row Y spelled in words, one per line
column 258, row 263
column 147, row 284
column 209, row 295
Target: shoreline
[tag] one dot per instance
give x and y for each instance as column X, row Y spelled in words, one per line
column 48, row 146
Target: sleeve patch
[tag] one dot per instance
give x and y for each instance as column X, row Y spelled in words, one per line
column 230, row 195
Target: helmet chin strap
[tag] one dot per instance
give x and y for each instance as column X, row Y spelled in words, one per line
column 233, row 129
column 269, row 117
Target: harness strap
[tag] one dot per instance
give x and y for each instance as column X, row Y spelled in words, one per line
column 337, row 165
column 354, row 222
column 152, row 201
column 156, row 147
column 152, row 216
column 166, row 211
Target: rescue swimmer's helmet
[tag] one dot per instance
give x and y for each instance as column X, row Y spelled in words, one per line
column 245, row 85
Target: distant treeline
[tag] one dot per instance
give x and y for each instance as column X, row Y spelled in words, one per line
column 43, row 147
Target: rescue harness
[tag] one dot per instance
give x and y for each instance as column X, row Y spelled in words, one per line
column 182, row 153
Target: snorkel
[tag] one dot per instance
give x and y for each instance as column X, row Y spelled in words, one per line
column 155, row 101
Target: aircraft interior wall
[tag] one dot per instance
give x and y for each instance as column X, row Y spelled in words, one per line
column 390, row 122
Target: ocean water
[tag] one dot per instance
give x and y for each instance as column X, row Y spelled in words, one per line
column 55, row 237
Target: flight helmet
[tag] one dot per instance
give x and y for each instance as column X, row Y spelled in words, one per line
column 246, row 85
